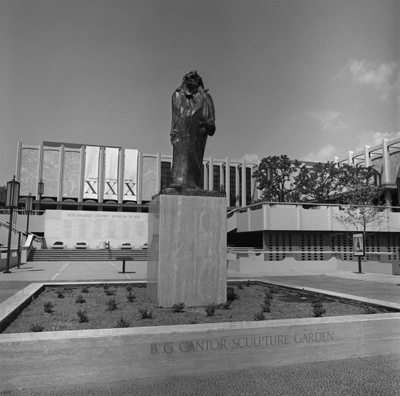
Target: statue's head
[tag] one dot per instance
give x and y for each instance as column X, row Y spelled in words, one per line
column 192, row 81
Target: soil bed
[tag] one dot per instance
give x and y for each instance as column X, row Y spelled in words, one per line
column 102, row 314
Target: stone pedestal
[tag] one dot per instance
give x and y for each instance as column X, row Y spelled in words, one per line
column 187, row 250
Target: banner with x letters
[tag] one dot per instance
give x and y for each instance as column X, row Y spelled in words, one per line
column 111, row 174
column 91, row 184
column 130, row 175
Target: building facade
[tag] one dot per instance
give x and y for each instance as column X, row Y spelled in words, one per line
column 88, row 177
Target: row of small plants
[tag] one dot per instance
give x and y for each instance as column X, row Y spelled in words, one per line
column 210, row 310
column 112, row 305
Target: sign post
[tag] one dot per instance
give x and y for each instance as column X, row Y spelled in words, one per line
column 358, row 248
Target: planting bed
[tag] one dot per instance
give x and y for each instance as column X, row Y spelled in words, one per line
column 99, row 311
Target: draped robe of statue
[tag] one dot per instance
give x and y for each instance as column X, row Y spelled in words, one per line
column 193, row 120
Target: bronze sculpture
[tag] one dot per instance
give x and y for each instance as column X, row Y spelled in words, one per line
column 193, row 120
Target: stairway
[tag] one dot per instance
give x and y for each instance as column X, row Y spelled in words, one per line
column 85, row 255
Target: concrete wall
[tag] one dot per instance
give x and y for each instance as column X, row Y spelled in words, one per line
column 304, row 217
column 93, row 228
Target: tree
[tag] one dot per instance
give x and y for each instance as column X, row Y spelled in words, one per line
column 362, row 207
column 320, row 182
column 280, row 187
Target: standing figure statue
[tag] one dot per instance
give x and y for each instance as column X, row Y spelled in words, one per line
column 193, row 120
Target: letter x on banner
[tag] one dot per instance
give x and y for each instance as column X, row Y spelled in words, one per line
column 130, row 175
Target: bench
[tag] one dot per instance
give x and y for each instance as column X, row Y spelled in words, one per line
column 80, row 246
column 123, row 259
column 58, row 246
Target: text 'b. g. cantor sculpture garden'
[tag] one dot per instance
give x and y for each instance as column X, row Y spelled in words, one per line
column 187, row 225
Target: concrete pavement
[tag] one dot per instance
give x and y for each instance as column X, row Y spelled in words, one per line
column 373, row 375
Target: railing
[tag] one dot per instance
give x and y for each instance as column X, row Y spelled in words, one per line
column 17, row 229
column 305, row 205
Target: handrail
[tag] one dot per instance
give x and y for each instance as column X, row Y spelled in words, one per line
column 16, row 228
column 262, row 203
column 242, row 250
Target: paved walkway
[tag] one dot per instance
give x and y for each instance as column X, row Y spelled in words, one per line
column 374, row 375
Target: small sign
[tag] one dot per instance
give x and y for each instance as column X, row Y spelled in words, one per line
column 358, row 245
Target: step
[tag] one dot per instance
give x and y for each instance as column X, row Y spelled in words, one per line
column 85, row 255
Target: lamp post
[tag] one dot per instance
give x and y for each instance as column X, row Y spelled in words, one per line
column 40, row 190
column 12, row 199
column 28, row 209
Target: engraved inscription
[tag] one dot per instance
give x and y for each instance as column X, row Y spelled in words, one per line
column 221, row 344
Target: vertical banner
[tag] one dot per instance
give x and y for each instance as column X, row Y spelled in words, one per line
column 91, row 187
column 358, row 244
column 111, row 174
column 130, row 175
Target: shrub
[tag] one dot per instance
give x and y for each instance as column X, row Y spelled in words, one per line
column 129, row 288
column 131, row 297
column 318, row 307
column 82, row 316
column 85, row 289
column 193, row 321
column 36, row 328
column 48, row 307
column 110, row 292
column 146, row 313
column 122, row 322
column 226, row 305
column 231, row 295
column 259, row 316
column 370, row 310
column 60, row 294
column 80, row 299
column 106, row 286
column 178, row 307
column 248, row 283
column 112, row 304
column 268, row 294
column 266, row 307
column 210, row 309
column 240, row 286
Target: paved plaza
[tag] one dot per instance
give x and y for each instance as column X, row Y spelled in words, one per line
column 370, row 375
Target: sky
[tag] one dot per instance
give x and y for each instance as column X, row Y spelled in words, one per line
column 311, row 79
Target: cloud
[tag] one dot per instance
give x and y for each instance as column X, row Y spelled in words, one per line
column 326, row 153
column 251, row 157
column 373, row 138
column 383, row 77
column 330, row 121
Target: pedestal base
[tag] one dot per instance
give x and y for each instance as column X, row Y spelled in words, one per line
column 187, row 250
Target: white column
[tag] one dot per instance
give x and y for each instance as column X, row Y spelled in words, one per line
column 158, row 174
column 228, row 180
column 19, row 160
column 121, row 168
column 205, row 175
column 100, row 194
column 386, row 162
column 139, row 178
column 243, row 192
column 351, row 157
column 237, row 186
column 61, row 173
column 211, row 174
column 367, row 158
column 82, row 174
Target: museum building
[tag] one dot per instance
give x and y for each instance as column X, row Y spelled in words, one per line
column 87, row 177
column 106, row 190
